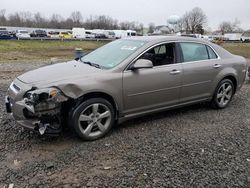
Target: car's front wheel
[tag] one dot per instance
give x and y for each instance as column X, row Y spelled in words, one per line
column 93, row 118
column 223, row 94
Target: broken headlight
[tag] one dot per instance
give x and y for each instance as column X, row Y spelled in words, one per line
column 43, row 100
column 45, row 95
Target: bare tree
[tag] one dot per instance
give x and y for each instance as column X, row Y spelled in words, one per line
column 151, row 28
column 180, row 26
column 138, row 27
column 194, row 20
column 2, row 17
column 101, row 22
column 141, row 27
column 226, row 27
column 89, row 23
column 14, row 19
column 69, row 23
column 55, row 21
column 40, row 21
column 126, row 25
column 77, row 19
column 27, row 19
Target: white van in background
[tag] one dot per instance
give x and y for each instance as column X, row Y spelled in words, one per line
column 79, row 33
column 120, row 34
column 232, row 36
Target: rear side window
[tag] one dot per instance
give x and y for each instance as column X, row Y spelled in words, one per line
column 194, row 52
column 211, row 53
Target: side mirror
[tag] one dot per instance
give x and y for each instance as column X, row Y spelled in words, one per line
column 142, row 64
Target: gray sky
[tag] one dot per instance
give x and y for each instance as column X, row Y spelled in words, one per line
column 144, row 11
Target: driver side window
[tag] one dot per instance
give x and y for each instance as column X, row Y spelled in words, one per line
column 161, row 55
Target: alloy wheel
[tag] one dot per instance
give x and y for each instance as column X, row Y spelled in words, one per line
column 224, row 94
column 94, row 120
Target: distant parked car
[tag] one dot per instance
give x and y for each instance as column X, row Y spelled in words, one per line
column 38, row 33
column 65, row 35
column 53, row 34
column 12, row 32
column 4, row 34
column 89, row 35
column 100, row 36
column 22, row 34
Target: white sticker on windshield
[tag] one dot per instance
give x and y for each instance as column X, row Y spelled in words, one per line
column 128, row 48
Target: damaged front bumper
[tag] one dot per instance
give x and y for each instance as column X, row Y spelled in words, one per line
column 36, row 109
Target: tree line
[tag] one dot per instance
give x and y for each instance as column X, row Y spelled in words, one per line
column 27, row 19
column 193, row 21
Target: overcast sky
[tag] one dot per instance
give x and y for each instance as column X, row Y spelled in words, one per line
column 144, row 11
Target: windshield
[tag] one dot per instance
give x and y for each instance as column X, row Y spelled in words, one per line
column 23, row 32
column 113, row 53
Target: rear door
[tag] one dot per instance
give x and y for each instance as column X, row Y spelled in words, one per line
column 200, row 66
column 151, row 88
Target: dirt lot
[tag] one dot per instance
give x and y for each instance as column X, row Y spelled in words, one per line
column 194, row 146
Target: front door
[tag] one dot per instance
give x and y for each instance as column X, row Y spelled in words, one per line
column 151, row 88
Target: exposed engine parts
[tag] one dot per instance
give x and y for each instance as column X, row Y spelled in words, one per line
column 44, row 105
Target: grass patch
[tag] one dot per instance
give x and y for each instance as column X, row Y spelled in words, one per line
column 43, row 50
column 242, row 49
column 30, row 51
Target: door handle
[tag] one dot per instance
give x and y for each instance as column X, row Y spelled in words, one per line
column 216, row 66
column 174, row 72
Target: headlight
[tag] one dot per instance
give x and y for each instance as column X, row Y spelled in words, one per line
column 45, row 95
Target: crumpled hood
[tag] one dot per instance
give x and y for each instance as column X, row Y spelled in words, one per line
column 58, row 72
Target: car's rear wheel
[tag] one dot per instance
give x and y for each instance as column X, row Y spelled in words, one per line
column 93, row 118
column 223, row 94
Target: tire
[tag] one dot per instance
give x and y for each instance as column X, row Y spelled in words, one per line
column 223, row 94
column 92, row 119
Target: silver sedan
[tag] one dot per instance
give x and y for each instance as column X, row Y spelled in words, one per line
column 124, row 79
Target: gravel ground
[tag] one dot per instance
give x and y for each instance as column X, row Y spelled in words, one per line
column 194, row 146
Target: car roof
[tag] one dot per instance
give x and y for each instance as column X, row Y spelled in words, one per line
column 165, row 38
column 151, row 40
